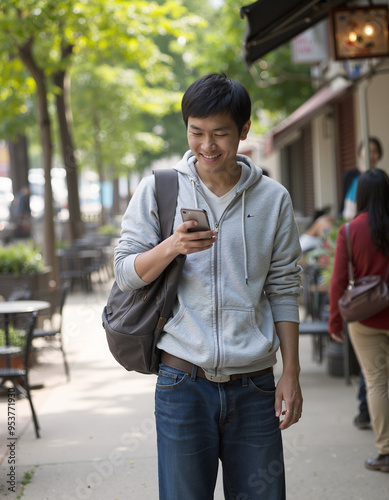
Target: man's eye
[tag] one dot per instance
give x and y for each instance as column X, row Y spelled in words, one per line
column 220, row 135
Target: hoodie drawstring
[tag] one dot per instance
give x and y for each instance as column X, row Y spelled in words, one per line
column 194, row 193
column 246, row 274
column 246, row 277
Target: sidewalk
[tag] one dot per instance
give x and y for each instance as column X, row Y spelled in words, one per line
column 98, row 439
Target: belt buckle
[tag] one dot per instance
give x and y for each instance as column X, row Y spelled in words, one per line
column 221, row 379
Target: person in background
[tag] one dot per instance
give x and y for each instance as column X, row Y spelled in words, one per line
column 350, row 179
column 312, row 237
column 369, row 236
column 21, row 213
column 216, row 398
column 348, row 211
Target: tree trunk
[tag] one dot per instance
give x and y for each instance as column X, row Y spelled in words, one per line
column 116, row 198
column 25, row 53
column 99, row 164
column 47, row 155
column 76, row 227
column 18, row 156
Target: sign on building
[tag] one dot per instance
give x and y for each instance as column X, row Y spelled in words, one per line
column 311, row 46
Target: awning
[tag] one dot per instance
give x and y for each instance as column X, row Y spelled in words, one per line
column 305, row 113
column 270, row 23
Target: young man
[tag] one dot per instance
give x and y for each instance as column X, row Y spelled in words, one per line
column 215, row 394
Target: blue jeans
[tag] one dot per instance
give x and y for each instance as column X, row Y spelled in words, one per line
column 200, row 422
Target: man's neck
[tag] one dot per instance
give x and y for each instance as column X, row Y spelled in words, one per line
column 222, row 182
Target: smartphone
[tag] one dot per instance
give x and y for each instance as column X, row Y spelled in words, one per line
column 198, row 214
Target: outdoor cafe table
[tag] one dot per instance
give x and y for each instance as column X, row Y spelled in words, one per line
column 22, row 306
column 8, row 308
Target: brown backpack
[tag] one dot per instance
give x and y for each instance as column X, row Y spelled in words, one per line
column 134, row 320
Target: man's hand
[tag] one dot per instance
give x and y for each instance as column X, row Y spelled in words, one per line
column 191, row 242
column 150, row 264
column 288, row 391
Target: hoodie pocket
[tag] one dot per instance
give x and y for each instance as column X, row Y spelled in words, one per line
column 241, row 341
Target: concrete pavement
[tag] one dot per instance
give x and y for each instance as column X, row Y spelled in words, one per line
column 98, row 438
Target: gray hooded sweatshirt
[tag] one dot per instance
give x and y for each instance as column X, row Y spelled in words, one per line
column 230, row 295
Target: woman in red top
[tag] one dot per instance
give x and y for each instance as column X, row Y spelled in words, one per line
column 369, row 236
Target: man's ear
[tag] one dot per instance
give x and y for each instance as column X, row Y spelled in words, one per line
column 245, row 130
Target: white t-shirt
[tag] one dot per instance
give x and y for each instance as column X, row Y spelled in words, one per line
column 219, row 203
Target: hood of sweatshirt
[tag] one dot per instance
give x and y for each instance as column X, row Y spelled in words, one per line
column 186, row 166
column 253, row 174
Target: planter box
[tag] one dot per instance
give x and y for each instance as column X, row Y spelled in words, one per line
column 18, row 361
column 26, row 283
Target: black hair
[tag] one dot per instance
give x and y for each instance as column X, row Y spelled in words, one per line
column 215, row 94
column 319, row 213
column 373, row 197
column 375, row 141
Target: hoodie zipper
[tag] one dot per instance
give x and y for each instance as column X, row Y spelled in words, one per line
column 217, row 225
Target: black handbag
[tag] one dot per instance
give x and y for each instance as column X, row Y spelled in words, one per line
column 134, row 320
column 364, row 297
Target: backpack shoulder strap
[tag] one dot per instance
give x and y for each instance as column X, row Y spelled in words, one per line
column 166, row 189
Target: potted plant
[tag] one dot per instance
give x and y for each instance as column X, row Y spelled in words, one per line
column 324, row 255
column 22, row 270
column 324, row 258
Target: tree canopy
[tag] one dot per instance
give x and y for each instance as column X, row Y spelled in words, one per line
column 138, row 56
column 128, row 63
column 48, row 37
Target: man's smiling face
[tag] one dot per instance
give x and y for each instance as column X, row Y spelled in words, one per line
column 214, row 141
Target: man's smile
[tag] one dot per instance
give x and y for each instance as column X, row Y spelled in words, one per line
column 209, row 157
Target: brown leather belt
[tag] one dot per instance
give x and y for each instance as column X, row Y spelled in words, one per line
column 185, row 366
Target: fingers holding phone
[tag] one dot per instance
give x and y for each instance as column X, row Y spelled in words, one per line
column 197, row 234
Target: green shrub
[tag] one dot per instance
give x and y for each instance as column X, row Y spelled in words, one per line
column 17, row 338
column 108, row 230
column 21, row 259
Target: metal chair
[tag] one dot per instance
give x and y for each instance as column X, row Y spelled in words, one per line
column 72, row 269
column 102, row 261
column 16, row 332
column 15, row 289
column 50, row 323
column 315, row 322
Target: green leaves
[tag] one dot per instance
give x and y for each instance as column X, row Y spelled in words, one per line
column 23, row 258
column 122, row 46
column 276, row 85
column 130, row 61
